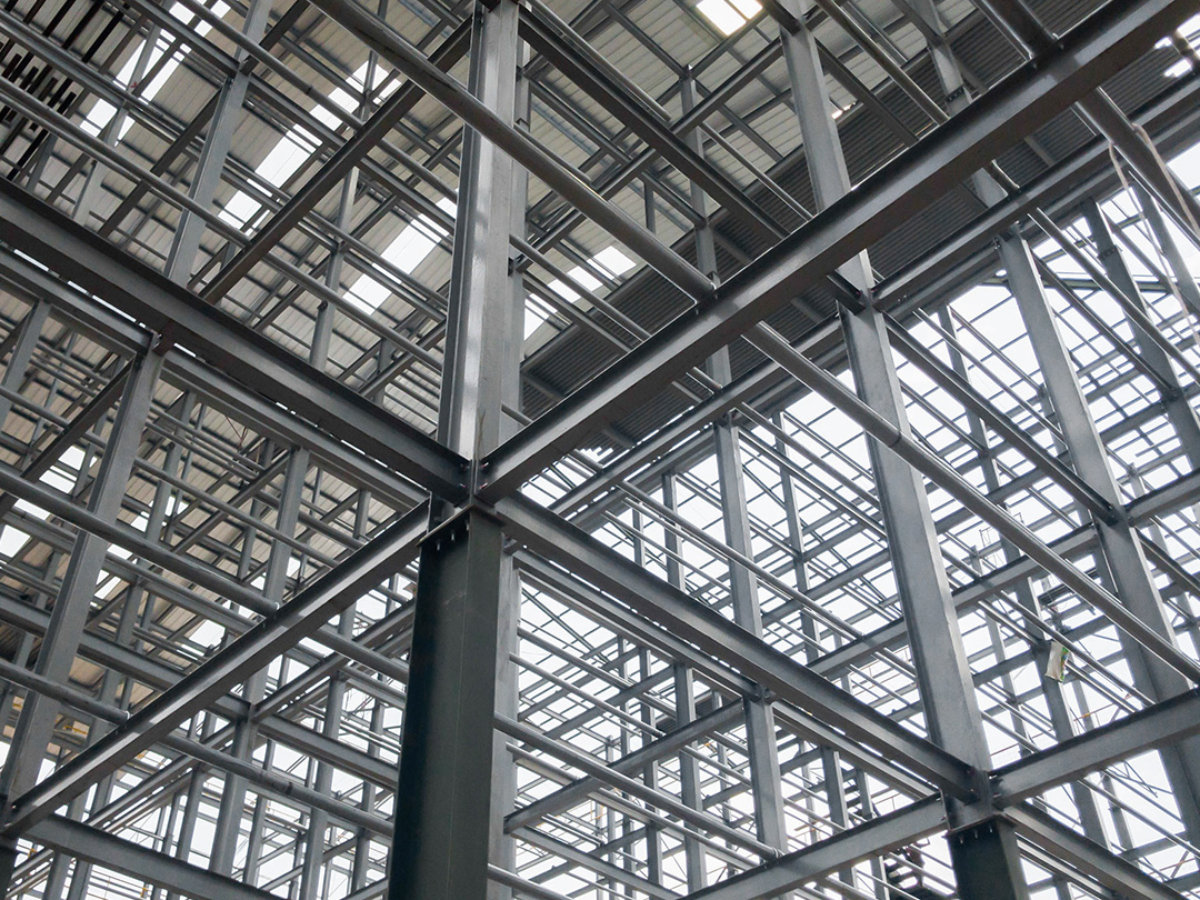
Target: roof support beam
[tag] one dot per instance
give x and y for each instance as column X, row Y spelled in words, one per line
column 1095, row 50
column 78, row 255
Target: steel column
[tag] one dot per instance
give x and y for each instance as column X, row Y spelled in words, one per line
column 445, row 815
column 1120, row 544
column 947, row 691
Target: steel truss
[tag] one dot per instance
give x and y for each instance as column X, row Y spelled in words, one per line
column 625, row 448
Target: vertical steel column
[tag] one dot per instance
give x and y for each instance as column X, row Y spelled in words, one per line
column 831, row 765
column 979, row 842
column 647, row 716
column 56, row 879
column 362, row 838
column 35, row 727
column 1119, row 543
column 501, row 847
column 761, row 746
column 90, row 191
column 1060, row 716
column 318, row 356
column 215, row 151
column 133, row 601
column 955, row 88
column 233, row 796
column 445, row 805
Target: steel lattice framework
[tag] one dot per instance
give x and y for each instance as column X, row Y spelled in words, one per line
column 600, row 448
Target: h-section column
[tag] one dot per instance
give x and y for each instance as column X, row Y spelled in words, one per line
column 983, row 848
column 444, row 800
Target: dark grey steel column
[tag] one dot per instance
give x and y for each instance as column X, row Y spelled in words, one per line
column 978, row 841
column 318, row 356
column 444, row 799
column 1060, row 716
column 831, row 764
column 502, row 847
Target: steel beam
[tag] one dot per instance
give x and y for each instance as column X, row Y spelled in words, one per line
column 1092, row 52
column 1155, row 727
column 76, row 254
column 138, row 862
column 290, row 624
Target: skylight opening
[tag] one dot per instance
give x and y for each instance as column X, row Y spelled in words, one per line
column 729, row 16
column 277, row 167
column 103, row 112
column 580, row 276
column 610, row 261
column 11, row 541
column 1189, row 32
column 287, row 156
column 407, row 251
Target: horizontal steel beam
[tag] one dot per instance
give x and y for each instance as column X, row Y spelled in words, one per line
column 1157, row 726
column 832, row 854
column 791, row 682
column 291, row 623
column 138, row 862
column 72, row 252
column 1095, row 861
column 1030, row 97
